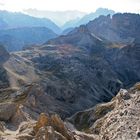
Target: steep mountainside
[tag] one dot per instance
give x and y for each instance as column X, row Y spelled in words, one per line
column 64, row 66
column 81, row 38
column 116, row 120
column 60, row 71
column 4, row 82
column 120, row 28
column 126, row 63
column 3, row 54
column 17, row 38
column 16, row 20
column 59, row 17
column 115, row 41
column 72, row 73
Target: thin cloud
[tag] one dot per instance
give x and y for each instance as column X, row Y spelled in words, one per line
column 2, row 4
column 64, row 5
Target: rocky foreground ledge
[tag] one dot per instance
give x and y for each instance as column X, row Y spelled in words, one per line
column 118, row 119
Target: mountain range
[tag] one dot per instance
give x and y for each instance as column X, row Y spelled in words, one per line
column 88, row 17
column 60, row 64
column 58, row 17
column 16, row 20
column 70, row 86
column 28, row 30
column 16, row 39
column 18, row 30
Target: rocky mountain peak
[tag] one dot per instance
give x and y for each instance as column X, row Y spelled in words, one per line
column 120, row 28
column 83, row 29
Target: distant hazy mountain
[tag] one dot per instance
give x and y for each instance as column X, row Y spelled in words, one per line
column 3, row 24
column 59, row 17
column 71, row 23
column 16, row 39
column 16, row 20
column 67, row 30
column 92, row 16
column 87, row 18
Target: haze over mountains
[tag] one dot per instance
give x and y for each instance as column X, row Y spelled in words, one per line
column 67, row 19
column 17, row 38
column 72, row 76
column 28, row 30
column 88, row 17
column 16, row 20
column 59, row 17
column 18, row 30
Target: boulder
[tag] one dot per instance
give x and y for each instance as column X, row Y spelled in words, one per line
column 48, row 133
column 51, row 128
column 7, row 111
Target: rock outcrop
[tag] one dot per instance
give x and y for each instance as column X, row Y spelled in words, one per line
column 116, row 120
column 7, row 111
column 52, row 128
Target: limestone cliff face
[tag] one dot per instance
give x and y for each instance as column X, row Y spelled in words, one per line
column 116, row 120
column 120, row 28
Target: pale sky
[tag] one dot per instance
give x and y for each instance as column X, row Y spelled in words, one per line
column 80, row 5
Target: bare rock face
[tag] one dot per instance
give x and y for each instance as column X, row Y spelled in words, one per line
column 118, row 119
column 123, row 121
column 120, row 28
column 115, row 120
column 60, row 72
column 49, row 133
column 84, row 119
column 7, row 111
column 42, row 121
column 80, row 65
column 52, row 128
column 4, row 56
